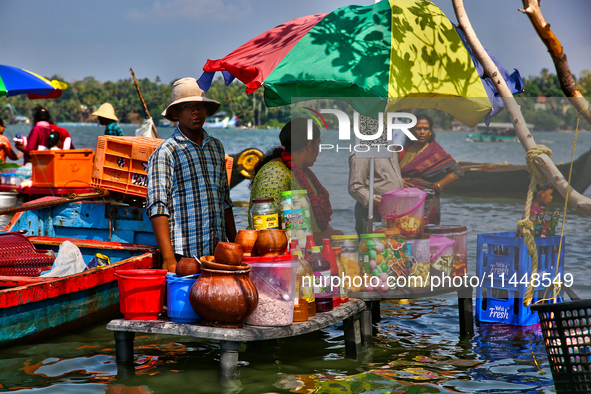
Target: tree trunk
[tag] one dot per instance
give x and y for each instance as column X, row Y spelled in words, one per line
column 543, row 162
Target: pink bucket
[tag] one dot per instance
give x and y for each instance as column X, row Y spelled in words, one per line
column 403, row 210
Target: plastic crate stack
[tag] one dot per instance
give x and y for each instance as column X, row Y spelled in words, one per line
column 503, row 262
column 18, row 256
column 121, row 163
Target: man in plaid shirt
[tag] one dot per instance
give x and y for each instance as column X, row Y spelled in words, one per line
column 188, row 195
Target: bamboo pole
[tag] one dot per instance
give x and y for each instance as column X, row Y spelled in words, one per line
column 543, row 162
column 139, row 92
column 567, row 82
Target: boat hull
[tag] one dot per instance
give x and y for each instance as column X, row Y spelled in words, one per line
column 32, row 308
column 487, row 180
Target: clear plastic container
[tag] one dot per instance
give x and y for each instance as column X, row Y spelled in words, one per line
column 419, row 261
column 295, row 215
column 372, row 253
column 274, row 278
column 264, row 214
column 349, row 257
column 442, row 256
column 459, row 234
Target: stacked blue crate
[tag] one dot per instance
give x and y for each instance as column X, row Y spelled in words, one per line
column 502, row 260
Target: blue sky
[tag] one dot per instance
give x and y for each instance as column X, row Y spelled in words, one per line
column 173, row 39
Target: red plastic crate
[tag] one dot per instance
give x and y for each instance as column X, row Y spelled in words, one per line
column 62, row 168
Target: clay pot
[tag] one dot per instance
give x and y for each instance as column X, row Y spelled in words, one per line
column 187, row 266
column 247, row 238
column 228, row 253
column 271, row 242
column 225, row 297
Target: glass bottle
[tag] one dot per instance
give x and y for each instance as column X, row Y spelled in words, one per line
column 264, row 213
column 344, row 297
column 321, row 268
column 334, row 269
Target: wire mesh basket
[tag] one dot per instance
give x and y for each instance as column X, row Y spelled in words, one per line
column 566, row 327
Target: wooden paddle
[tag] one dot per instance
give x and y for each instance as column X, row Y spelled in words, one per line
column 29, row 207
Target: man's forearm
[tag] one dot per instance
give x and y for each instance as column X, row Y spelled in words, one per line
column 230, row 224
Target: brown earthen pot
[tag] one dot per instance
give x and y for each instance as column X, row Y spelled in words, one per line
column 228, row 253
column 225, row 297
column 271, row 242
column 247, row 238
column 187, row 266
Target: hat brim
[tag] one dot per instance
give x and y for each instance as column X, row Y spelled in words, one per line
column 105, row 115
column 211, row 105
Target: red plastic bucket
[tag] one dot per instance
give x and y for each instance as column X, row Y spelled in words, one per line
column 141, row 293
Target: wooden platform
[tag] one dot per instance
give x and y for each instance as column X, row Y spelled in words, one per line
column 231, row 339
column 372, row 300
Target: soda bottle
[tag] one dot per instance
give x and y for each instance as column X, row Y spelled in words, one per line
column 309, row 244
column 334, row 269
column 342, row 275
column 321, row 268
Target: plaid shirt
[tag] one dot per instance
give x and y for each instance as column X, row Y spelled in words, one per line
column 114, row 129
column 189, row 184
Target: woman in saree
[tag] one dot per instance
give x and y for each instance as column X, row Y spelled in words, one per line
column 287, row 167
column 425, row 165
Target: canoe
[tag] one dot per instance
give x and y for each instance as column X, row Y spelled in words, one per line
column 34, row 307
column 486, row 180
column 483, row 137
column 93, row 220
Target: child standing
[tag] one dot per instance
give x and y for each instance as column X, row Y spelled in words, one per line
column 188, row 197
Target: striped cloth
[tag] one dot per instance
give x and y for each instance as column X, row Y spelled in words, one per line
column 189, row 184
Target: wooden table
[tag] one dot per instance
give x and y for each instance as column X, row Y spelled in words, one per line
column 231, row 339
column 371, row 314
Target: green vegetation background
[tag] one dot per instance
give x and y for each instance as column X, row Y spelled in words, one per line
column 83, row 97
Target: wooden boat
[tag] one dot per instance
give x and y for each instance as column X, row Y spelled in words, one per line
column 496, row 132
column 505, row 179
column 33, row 307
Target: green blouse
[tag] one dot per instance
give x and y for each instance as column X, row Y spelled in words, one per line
column 271, row 180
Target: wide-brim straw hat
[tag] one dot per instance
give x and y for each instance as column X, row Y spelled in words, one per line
column 106, row 111
column 186, row 90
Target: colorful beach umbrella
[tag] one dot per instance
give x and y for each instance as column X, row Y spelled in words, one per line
column 404, row 51
column 15, row 81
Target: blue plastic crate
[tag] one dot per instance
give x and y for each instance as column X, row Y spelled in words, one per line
column 503, row 254
column 502, row 305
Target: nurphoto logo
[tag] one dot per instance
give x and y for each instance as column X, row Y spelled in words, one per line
column 375, row 139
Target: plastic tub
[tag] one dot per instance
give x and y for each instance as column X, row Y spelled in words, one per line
column 141, row 293
column 419, row 261
column 403, row 210
column 274, row 278
column 178, row 306
column 442, row 255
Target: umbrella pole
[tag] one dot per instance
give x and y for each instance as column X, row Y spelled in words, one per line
column 370, row 205
column 137, row 87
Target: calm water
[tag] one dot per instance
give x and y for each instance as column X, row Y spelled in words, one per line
column 416, row 343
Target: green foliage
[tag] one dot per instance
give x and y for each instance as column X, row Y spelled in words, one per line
column 83, row 97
